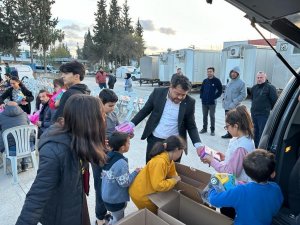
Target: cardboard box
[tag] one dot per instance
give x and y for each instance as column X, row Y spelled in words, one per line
column 177, row 209
column 192, row 181
column 142, row 217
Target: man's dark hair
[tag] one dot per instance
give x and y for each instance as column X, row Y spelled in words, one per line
column 259, row 165
column 73, row 67
column 181, row 80
column 117, row 140
column 42, row 91
column 107, row 95
column 211, row 68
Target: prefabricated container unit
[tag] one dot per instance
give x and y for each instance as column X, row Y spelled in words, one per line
column 149, row 68
column 250, row 59
column 281, row 74
column 166, row 66
column 194, row 63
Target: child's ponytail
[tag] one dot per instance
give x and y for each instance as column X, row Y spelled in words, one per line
column 170, row 144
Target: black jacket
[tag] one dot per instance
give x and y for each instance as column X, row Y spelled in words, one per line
column 28, row 98
column 55, row 197
column 211, row 89
column 264, row 97
column 73, row 90
column 155, row 105
column 45, row 117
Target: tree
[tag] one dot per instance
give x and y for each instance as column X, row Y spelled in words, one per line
column 28, row 22
column 139, row 29
column 46, row 34
column 9, row 27
column 101, row 33
column 88, row 49
column 126, row 20
column 139, row 40
column 61, row 51
column 114, row 23
column 79, row 52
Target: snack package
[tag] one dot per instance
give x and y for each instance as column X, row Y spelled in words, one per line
column 220, row 182
column 125, row 127
column 20, row 96
column 208, row 151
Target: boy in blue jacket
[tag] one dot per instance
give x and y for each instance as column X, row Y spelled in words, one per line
column 256, row 202
column 116, row 178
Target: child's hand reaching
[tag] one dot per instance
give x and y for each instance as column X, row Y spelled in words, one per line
column 222, row 156
column 138, row 169
column 177, row 178
column 207, row 159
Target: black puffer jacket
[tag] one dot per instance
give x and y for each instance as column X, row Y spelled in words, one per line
column 55, row 197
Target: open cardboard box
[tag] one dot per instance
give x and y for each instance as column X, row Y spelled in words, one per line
column 142, row 217
column 192, row 181
column 177, row 209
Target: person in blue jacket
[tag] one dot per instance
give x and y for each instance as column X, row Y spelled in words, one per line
column 256, row 202
column 211, row 89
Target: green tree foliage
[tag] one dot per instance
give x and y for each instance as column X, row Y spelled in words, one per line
column 114, row 36
column 79, row 52
column 46, row 34
column 88, row 49
column 9, row 27
column 101, row 33
column 61, row 51
column 28, row 22
column 126, row 20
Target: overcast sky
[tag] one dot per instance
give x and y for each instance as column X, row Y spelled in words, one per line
column 167, row 23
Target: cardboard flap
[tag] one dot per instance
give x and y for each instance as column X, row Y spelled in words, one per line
column 192, row 173
column 162, row 198
column 142, row 217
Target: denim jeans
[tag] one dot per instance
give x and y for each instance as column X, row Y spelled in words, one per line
column 100, row 207
column 102, row 85
column 259, row 122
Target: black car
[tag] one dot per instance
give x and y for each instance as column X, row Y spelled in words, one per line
column 282, row 132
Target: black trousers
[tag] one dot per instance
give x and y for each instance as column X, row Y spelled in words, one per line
column 151, row 140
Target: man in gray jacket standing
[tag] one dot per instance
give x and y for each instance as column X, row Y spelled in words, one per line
column 235, row 93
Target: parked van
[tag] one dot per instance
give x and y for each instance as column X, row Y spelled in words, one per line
column 282, row 131
column 24, row 71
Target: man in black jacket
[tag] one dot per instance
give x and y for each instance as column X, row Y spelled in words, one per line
column 46, row 113
column 72, row 74
column 172, row 113
column 264, row 97
column 211, row 89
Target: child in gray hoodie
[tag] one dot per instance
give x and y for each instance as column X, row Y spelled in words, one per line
column 116, row 178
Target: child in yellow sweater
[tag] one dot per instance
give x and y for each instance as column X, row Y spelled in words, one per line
column 159, row 174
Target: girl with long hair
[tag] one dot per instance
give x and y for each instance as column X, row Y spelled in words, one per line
column 18, row 93
column 57, row 195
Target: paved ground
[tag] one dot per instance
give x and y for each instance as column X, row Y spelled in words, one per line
column 12, row 196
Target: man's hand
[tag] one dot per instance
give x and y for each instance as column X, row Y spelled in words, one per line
column 2, row 106
column 23, row 102
column 39, row 123
column 200, row 149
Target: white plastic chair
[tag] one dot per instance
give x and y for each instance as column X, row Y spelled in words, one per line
column 21, row 136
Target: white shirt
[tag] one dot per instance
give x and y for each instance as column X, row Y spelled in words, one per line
column 168, row 124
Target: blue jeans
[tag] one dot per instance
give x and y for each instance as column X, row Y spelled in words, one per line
column 102, row 85
column 259, row 122
column 100, row 207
